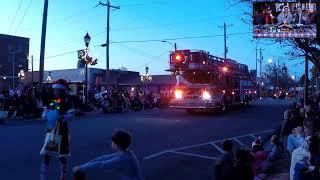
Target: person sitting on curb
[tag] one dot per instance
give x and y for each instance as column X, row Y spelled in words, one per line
column 124, row 162
column 260, row 157
column 276, row 149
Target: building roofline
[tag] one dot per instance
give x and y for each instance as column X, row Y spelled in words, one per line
column 14, row 36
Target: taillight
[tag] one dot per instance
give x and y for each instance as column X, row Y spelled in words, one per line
column 178, row 94
column 206, row 95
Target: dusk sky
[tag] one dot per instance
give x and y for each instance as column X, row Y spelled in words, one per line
column 70, row 20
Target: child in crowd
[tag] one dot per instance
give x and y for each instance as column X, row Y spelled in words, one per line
column 124, row 162
column 260, row 156
column 276, row 149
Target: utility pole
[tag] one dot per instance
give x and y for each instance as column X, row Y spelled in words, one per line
column 317, row 74
column 225, row 38
column 13, row 67
column 306, row 74
column 107, row 40
column 256, row 62
column 32, row 69
column 278, row 67
column 260, row 61
column 43, row 41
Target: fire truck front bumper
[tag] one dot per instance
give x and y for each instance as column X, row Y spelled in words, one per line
column 193, row 104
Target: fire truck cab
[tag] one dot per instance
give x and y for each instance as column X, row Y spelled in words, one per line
column 209, row 82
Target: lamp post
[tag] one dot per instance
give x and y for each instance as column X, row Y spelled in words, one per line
column 49, row 80
column 146, row 78
column 294, row 82
column 173, row 44
column 270, row 61
column 87, row 60
column 21, row 75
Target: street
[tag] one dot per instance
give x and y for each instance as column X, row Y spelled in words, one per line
column 170, row 144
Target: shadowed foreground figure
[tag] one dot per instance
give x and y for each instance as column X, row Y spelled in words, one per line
column 123, row 163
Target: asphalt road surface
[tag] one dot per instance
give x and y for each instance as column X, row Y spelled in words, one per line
column 170, row 144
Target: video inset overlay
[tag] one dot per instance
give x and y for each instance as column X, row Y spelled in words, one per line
column 284, row 20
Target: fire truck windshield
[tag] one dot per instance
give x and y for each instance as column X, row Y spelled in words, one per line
column 201, row 77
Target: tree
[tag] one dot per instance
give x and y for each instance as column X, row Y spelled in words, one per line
column 122, row 68
column 309, row 49
column 279, row 76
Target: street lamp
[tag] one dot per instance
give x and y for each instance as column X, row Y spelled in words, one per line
column 87, row 39
column 146, row 78
column 21, row 74
column 49, row 80
column 87, row 60
column 173, row 44
column 293, row 77
column 270, row 61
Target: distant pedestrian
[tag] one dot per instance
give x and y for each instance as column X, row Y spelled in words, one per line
column 124, row 162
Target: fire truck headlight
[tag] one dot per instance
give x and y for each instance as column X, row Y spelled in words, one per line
column 206, row 95
column 178, row 94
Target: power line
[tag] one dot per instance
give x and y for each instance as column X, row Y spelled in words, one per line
column 23, row 17
column 202, row 20
column 178, row 38
column 153, row 40
column 15, row 15
column 144, row 54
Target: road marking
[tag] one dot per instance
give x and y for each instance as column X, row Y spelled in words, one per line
column 253, row 136
column 187, row 147
column 155, row 155
column 202, row 144
column 217, row 147
column 240, row 143
column 193, row 155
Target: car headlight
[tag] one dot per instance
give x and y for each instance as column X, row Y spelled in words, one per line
column 206, row 95
column 178, row 94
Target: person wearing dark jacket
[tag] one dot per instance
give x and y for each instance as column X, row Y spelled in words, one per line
column 223, row 166
column 243, row 166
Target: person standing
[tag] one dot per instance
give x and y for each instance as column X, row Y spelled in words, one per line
column 223, row 166
column 63, row 107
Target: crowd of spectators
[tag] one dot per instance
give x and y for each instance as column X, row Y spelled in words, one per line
column 296, row 142
column 30, row 102
column 129, row 99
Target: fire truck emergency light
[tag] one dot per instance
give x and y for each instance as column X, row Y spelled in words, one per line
column 178, row 57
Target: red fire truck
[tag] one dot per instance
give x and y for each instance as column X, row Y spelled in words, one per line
column 208, row 82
